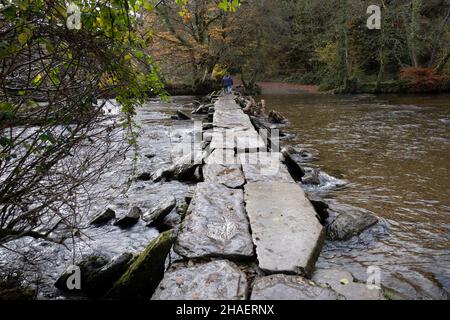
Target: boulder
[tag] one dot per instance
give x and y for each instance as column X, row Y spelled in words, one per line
column 217, row 280
column 284, row 287
column 183, row 169
column 159, row 210
column 101, row 280
column 163, row 173
column 172, row 220
column 312, row 177
column 202, row 109
column 182, row 116
column 145, row 273
column 216, row 225
column 276, row 117
column 88, row 266
column 130, row 219
column 103, row 217
column 301, row 155
column 345, row 222
column 343, row 283
column 144, row 176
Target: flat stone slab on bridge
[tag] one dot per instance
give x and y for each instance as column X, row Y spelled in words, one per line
column 264, row 166
column 243, row 140
column 217, row 280
column 285, row 229
column 231, row 119
column 229, row 115
column 230, row 176
column 216, row 225
column 222, row 156
column 284, row 287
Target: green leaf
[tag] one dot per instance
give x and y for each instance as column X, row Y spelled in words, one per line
column 344, row 281
column 23, row 38
column 37, row 80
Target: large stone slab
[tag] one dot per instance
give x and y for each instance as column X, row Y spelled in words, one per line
column 216, row 224
column 243, row 140
column 217, row 280
column 223, row 157
column 285, row 229
column 226, row 103
column 234, row 118
column 228, row 175
column 343, row 283
column 284, row 287
column 264, row 166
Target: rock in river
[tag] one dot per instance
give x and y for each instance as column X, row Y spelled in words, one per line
column 160, row 210
column 217, row 280
column 346, row 221
column 181, row 116
column 100, row 281
column 343, row 283
column 183, row 169
column 284, row 287
column 216, row 224
column 144, row 275
column 103, row 217
column 88, row 266
column 130, row 219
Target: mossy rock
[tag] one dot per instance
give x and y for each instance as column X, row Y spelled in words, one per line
column 143, row 276
column 12, row 289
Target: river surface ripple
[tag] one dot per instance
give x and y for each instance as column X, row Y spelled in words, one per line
column 395, row 153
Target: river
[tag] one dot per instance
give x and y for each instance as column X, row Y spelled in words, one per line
column 395, row 153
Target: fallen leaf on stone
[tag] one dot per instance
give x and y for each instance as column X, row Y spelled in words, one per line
column 344, row 281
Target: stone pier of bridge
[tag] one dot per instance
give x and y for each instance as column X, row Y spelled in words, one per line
column 249, row 211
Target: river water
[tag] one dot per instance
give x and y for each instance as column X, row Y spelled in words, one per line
column 394, row 151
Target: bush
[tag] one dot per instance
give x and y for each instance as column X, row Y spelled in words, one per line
column 422, row 80
column 11, row 288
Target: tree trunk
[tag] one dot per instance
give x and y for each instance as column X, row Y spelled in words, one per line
column 443, row 63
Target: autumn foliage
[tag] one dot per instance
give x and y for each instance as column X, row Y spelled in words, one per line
column 422, row 79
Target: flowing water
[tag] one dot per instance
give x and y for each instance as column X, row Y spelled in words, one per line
column 42, row 262
column 395, row 153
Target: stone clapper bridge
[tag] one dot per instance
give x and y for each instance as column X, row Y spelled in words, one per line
column 248, row 207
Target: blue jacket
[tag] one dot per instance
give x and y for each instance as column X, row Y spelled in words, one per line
column 227, row 81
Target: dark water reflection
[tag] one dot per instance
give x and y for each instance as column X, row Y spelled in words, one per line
column 395, row 151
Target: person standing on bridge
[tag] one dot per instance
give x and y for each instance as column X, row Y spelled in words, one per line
column 227, row 83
